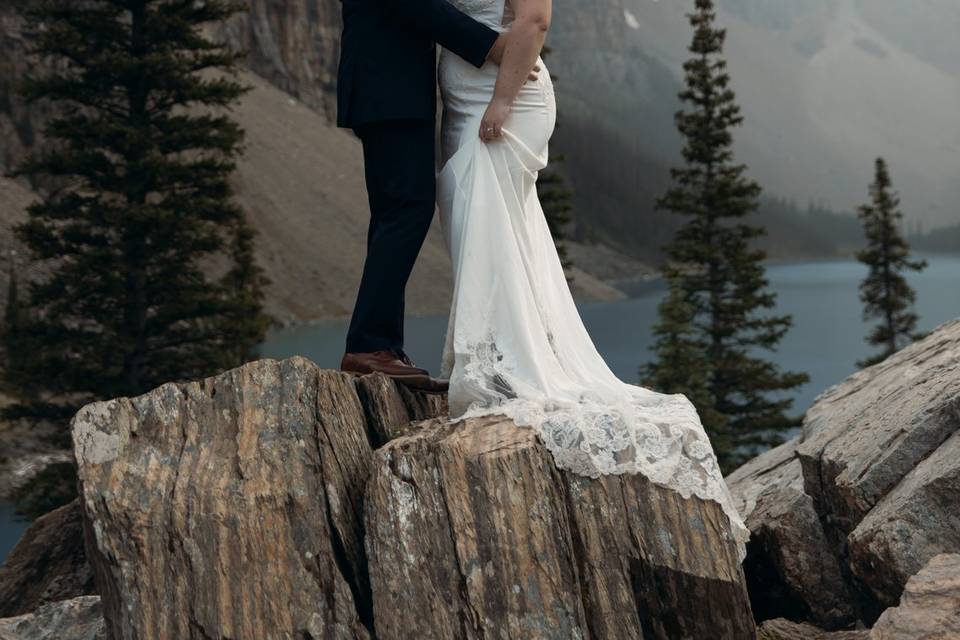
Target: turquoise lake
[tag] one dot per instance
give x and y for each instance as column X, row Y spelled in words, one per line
column 826, row 339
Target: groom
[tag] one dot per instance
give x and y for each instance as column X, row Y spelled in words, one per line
column 386, row 93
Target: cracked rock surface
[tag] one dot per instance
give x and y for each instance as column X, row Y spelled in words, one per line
column 865, row 497
column 47, row 565
column 229, row 507
column 472, row 532
column 252, row 505
column 75, row 619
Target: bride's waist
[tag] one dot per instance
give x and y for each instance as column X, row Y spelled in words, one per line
column 453, row 72
column 453, row 67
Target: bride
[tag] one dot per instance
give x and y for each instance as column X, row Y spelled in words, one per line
column 515, row 343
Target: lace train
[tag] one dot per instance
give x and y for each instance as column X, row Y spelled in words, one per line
column 638, row 431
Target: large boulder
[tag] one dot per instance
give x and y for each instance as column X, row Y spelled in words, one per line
column 48, row 564
column 233, row 507
column 879, row 456
column 790, row 567
column 916, row 521
column 229, row 507
column 864, row 435
column 865, row 497
column 473, row 532
column 930, row 606
column 76, row 619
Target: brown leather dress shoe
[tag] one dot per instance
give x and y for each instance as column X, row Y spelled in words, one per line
column 398, row 367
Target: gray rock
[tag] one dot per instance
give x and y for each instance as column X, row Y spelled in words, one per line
column 77, row 619
column 930, row 606
column 916, row 521
column 865, row 434
column 775, row 469
column 790, row 567
column 48, row 564
column 473, row 532
column 781, row 629
column 295, row 45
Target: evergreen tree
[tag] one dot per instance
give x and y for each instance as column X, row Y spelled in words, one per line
column 13, row 322
column 140, row 155
column 245, row 283
column 681, row 365
column 13, row 312
column 721, row 275
column 885, row 293
column 555, row 197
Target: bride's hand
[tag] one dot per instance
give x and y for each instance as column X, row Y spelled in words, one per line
column 491, row 126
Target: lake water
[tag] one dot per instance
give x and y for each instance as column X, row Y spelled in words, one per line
column 826, row 339
column 10, row 529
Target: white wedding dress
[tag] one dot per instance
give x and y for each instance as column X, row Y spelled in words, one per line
column 515, row 343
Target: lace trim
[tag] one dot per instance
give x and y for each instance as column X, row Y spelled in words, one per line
column 657, row 435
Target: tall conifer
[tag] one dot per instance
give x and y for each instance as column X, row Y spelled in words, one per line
column 885, row 293
column 717, row 270
column 139, row 156
column 13, row 348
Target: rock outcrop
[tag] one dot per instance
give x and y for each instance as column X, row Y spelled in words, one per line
column 782, row 629
column 928, row 610
column 281, row 500
column 229, row 507
column 863, row 436
column 294, row 44
column 47, row 565
column 915, row 521
column 867, row 494
column 791, row 569
column 930, row 606
column 77, row 619
column 518, row 549
column 252, row 505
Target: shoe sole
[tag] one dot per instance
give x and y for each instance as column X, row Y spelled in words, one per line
column 417, row 382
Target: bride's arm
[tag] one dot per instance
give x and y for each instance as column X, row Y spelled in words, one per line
column 522, row 46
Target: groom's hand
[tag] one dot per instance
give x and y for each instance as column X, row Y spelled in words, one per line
column 495, row 56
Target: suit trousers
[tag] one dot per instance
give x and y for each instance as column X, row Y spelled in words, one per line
column 400, row 169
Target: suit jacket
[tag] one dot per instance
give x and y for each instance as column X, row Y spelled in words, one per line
column 388, row 57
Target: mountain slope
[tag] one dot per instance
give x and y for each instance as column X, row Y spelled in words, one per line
column 825, row 86
column 300, row 181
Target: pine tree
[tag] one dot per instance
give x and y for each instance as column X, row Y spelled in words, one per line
column 681, row 364
column 720, row 273
column 13, row 312
column 140, row 156
column 245, row 283
column 14, row 353
column 885, row 293
column 556, row 199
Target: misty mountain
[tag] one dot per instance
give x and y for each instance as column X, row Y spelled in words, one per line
column 825, row 87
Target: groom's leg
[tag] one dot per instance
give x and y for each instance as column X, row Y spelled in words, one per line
column 401, row 184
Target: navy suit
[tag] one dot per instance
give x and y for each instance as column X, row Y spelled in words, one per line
column 386, row 92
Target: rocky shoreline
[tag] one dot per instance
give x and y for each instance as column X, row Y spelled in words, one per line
column 279, row 500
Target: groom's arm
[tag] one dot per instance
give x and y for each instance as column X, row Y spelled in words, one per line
column 449, row 27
